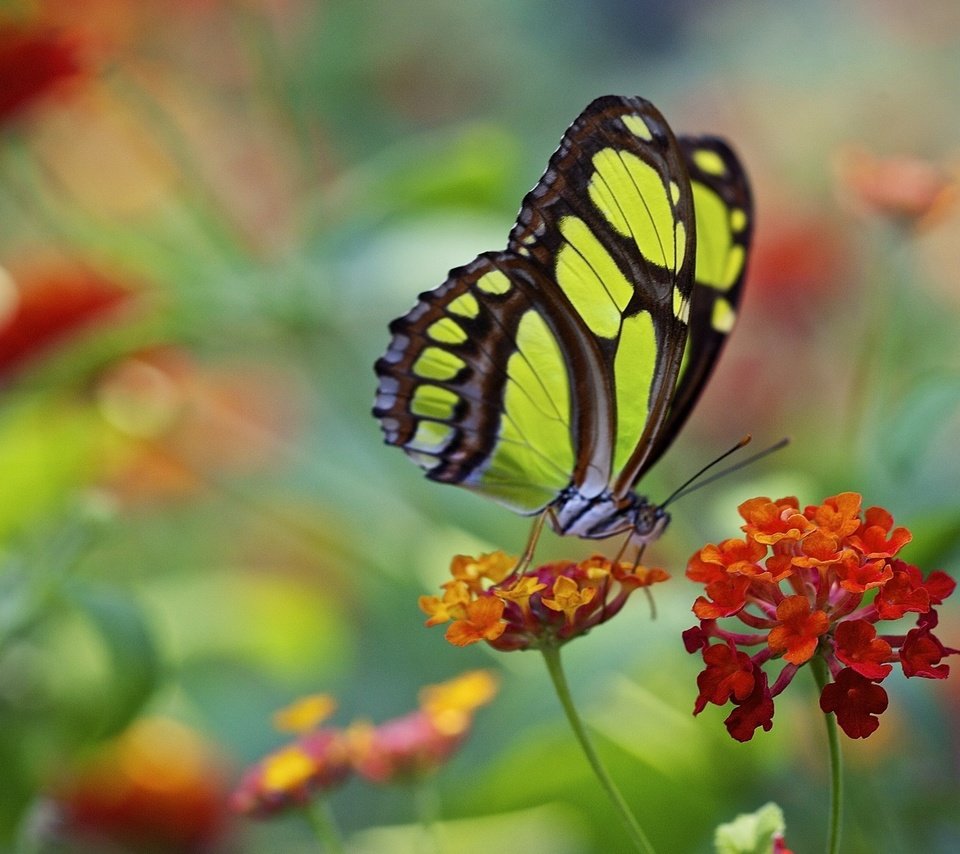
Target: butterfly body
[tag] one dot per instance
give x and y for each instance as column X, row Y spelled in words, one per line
column 600, row 516
column 551, row 375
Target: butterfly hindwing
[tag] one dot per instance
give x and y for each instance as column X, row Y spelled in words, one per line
column 724, row 222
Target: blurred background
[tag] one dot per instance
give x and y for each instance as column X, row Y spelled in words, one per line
column 209, row 212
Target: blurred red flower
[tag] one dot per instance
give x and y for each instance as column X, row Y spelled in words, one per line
column 796, row 263
column 40, row 309
column 34, row 63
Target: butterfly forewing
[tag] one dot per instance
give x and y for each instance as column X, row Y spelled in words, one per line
column 611, row 223
column 475, row 387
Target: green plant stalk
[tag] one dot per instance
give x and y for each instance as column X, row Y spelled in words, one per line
column 428, row 812
column 320, row 818
column 821, row 677
column 551, row 655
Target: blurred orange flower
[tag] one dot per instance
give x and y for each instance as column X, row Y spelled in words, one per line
column 907, row 190
column 400, row 749
column 289, row 777
column 416, row 744
column 182, row 421
column 160, row 784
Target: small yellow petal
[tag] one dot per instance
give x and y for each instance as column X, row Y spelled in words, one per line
column 305, row 714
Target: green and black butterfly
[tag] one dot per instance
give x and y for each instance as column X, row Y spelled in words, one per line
column 552, row 375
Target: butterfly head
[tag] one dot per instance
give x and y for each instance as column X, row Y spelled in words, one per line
column 650, row 522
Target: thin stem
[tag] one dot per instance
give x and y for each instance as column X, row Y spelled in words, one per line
column 428, row 811
column 821, row 676
column 320, row 817
column 551, row 655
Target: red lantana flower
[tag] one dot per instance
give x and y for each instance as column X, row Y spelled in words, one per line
column 546, row 606
column 812, row 583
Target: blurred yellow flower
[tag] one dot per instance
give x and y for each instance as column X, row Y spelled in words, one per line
column 466, row 692
column 290, row 776
column 305, row 714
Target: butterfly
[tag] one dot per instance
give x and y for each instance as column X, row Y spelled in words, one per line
column 551, row 375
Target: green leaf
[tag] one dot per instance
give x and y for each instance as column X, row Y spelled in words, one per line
column 750, row 833
column 122, row 627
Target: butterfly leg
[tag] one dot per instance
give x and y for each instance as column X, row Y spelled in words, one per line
column 630, row 540
column 641, row 545
column 532, row 540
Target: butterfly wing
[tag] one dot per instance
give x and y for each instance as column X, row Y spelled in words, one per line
column 724, row 220
column 552, row 364
column 475, row 386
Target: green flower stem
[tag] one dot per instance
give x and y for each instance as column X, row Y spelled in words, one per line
column 821, row 676
column 320, row 817
column 551, row 655
column 428, row 812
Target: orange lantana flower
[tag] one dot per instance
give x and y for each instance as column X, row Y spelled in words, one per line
column 799, row 630
column 547, row 605
column 482, row 622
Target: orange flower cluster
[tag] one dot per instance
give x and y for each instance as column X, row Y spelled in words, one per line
column 159, row 786
column 800, row 581
column 552, row 604
column 400, row 749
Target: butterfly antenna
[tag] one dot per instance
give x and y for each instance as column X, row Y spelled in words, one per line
column 687, row 488
column 680, row 489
